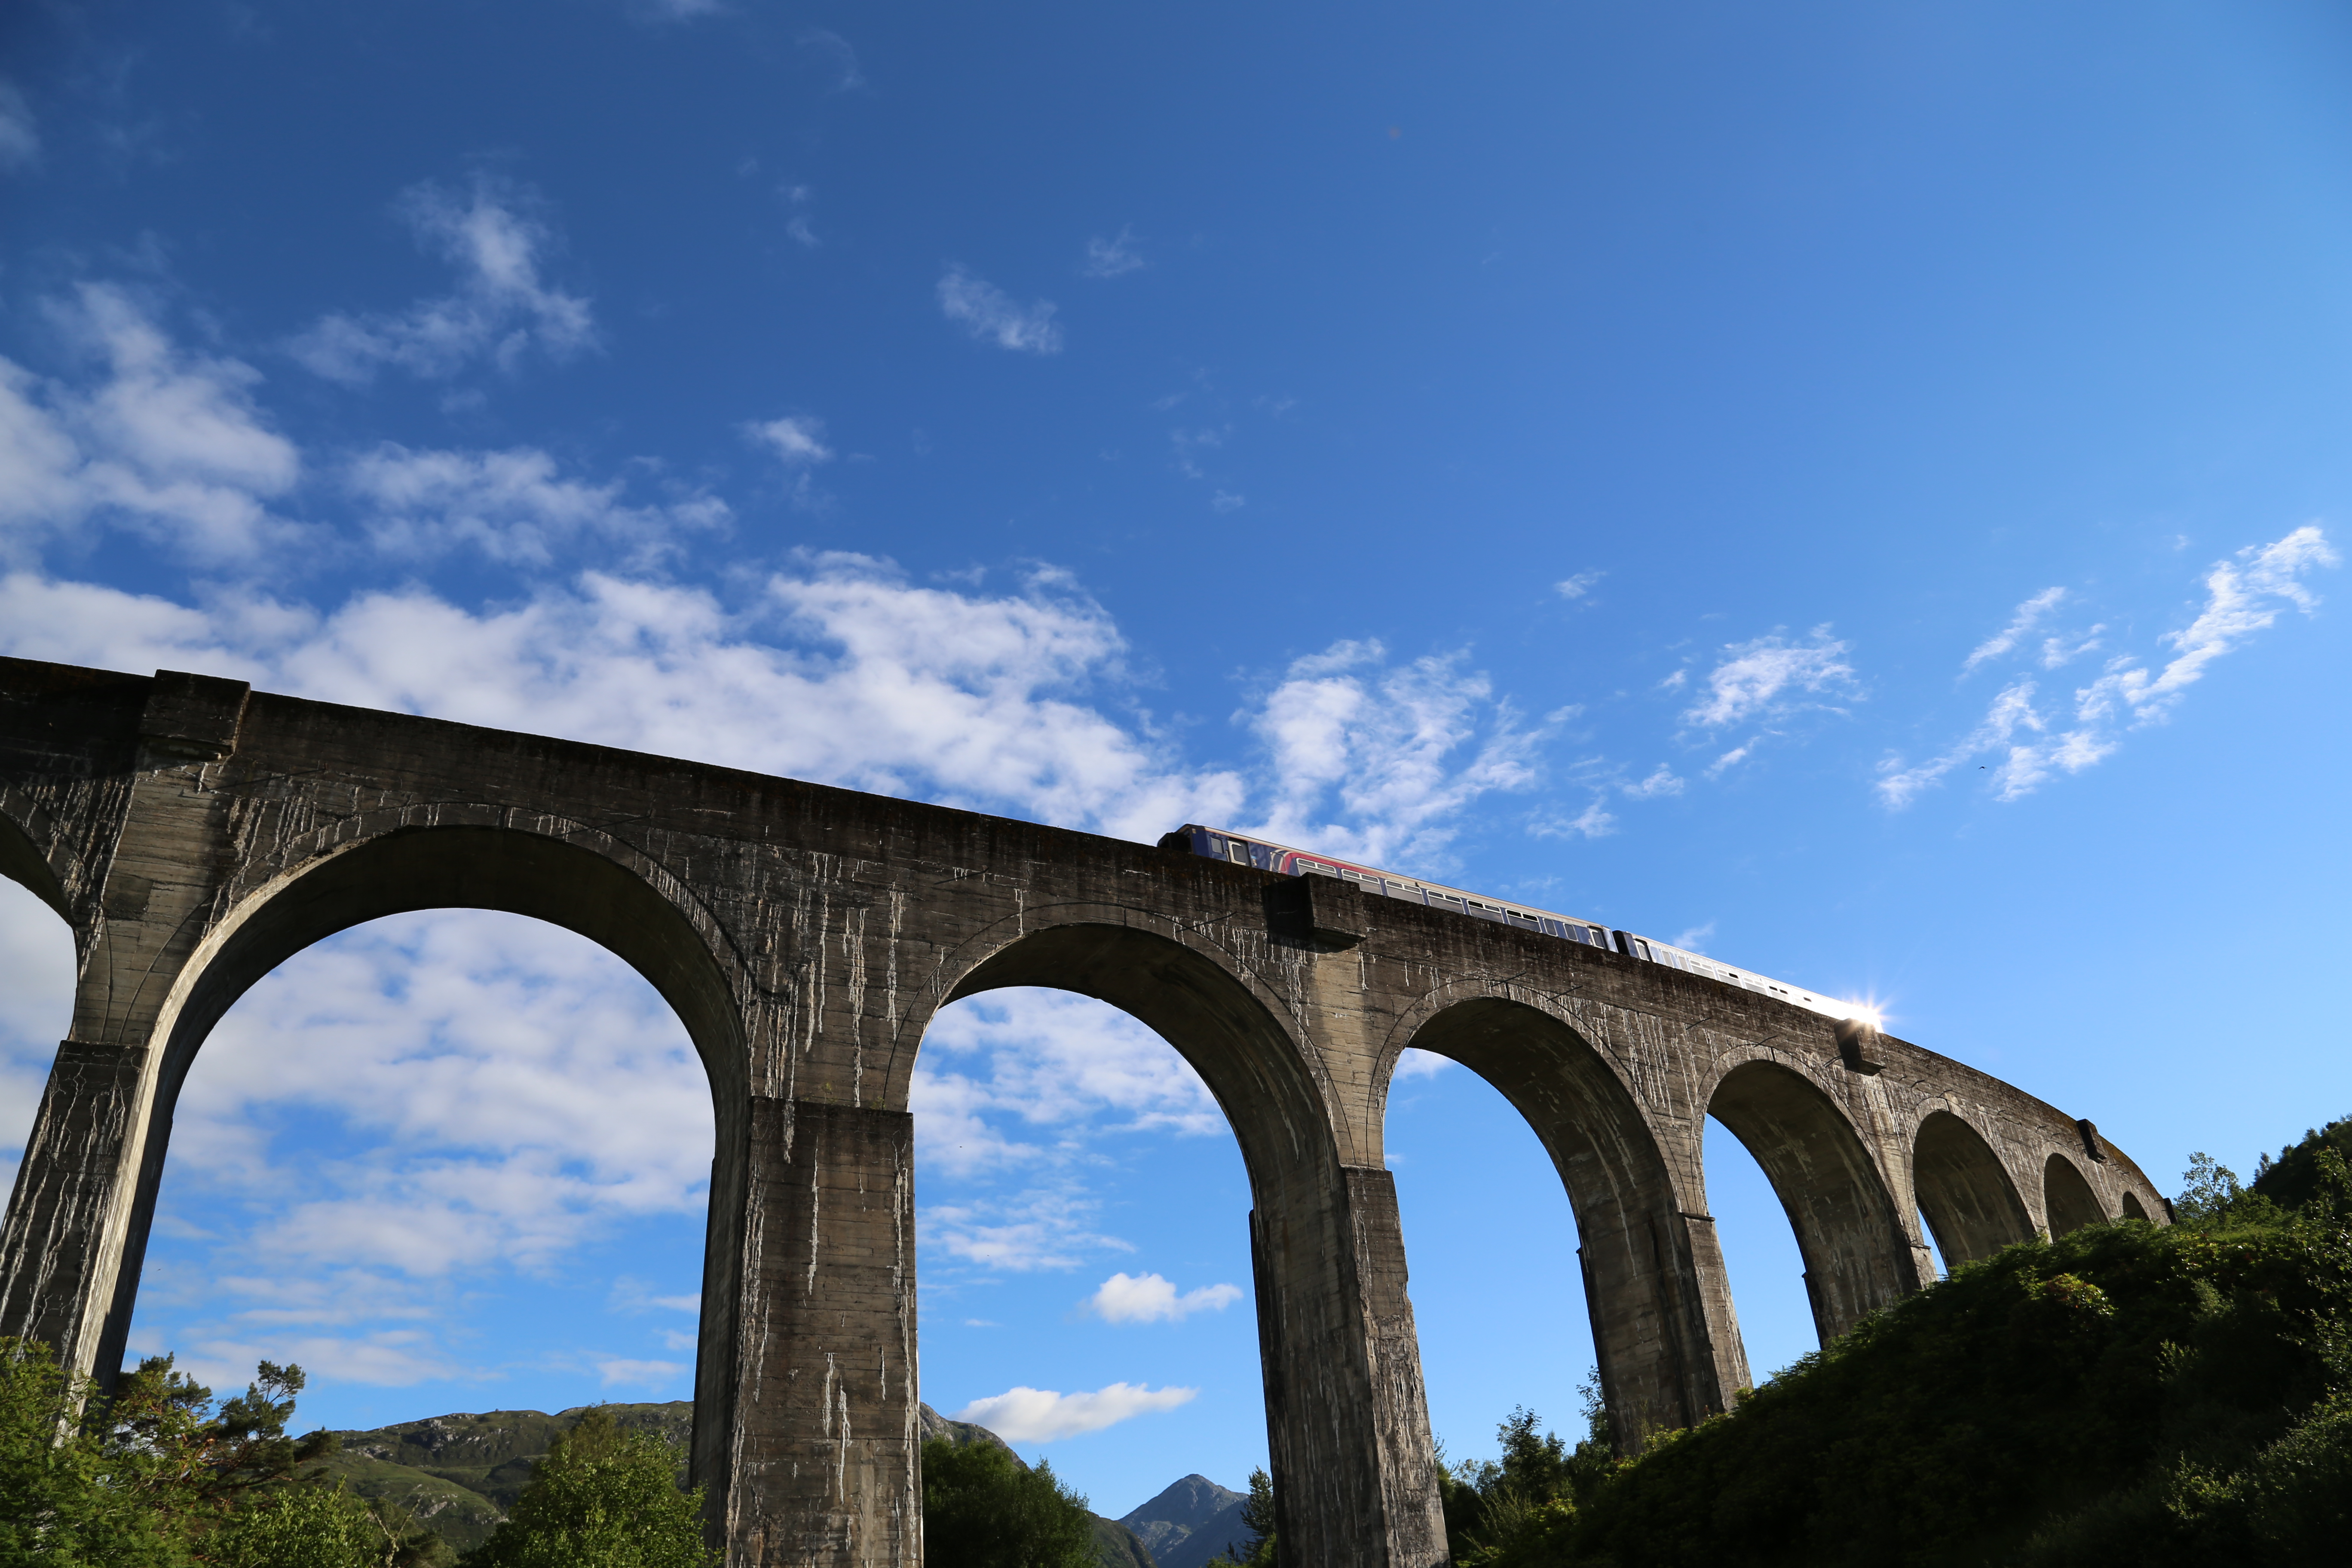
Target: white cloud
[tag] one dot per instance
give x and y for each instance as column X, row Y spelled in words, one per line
column 1025, row 1414
column 513, row 507
column 502, row 310
column 1764, row 678
column 20, row 138
column 632, row 1294
column 1225, row 501
column 166, row 443
column 1578, row 586
column 617, row 1373
column 796, row 438
column 990, row 314
column 2243, row 595
column 1112, row 257
column 1594, row 822
column 2028, row 615
column 1413, row 1062
column 1150, row 1299
column 1696, row 938
column 965, row 698
column 1661, row 782
column 1375, row 761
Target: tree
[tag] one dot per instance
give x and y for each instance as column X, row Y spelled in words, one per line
column 603, row 1497
column 67, row 1495
column 984, row 1508
column 322, row 1527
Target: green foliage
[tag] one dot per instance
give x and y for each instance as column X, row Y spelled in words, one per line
column 2129, row 1394
column 1521, row 1508
column 603, row 1497
column 2299, row 1174
column 321, row 1527
column 67, row 1496
column 982, row 1508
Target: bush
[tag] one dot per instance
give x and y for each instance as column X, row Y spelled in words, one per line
column 984, row 1508
column 603, row 1498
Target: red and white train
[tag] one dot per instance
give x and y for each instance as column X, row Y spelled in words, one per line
column 1218, row 844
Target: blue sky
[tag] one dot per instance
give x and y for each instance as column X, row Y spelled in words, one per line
column 1859, row 489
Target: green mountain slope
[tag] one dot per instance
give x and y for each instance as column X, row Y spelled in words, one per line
column 459, row 1474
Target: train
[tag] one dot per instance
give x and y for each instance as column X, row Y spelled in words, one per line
column 1249, row 850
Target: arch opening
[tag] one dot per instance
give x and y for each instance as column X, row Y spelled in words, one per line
column 2133, row 1209
column 1330, row 1308
column 1856, row 1255
column 1640, row 1249
column 1969, row 1204
column 1499, row 1290
column 1081, row 1223
column 2067, row 1198
column 432, row 1148
column 513, row 871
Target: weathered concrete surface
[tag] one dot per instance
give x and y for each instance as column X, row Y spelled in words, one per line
column 194, row 836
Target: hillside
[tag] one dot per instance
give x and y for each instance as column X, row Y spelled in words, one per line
column 2128, row 1394
column 460, row 1474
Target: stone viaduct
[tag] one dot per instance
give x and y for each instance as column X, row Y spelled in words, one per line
column 194, row 834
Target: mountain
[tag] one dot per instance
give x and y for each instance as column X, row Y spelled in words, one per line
column 460, row 1474
column 1190, row 1522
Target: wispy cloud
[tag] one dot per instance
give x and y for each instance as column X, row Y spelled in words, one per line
column 166, row 443
column 502, row 310
column 1770, row 677
column 2030, row 746
column 1149, row 1298
column 1025, row 1414
column 992, row 315
column 1661, row 782
column 2029, row 615
column 20, row 138
column 1378, row 760
column 838, row 54
column 514, row 506
column 1578, row 586
column 1112, row 257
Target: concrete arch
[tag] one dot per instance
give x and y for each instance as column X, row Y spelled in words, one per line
column 593, row 892
column 2067, row 1200
column 1659, row 1365
column 1970, row 1204
column 2133, row 1209
column 1335, row 1329
column 1856, row 1251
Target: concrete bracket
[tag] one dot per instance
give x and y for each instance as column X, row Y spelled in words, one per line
column 1861, row 1046
column 1326, row 912
column 192, row 717
column 2090, row 1133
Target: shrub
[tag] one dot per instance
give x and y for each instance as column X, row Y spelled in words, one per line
column 603, row 1498
column 984, row 1508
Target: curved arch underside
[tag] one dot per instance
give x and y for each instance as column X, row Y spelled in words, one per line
column 2067, row 1199
column 1650, row 1333
column 1855, row 1251
column 2132, row 1208
column 1970, row 1204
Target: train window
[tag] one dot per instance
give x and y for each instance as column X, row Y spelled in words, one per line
column 1216, row 847
column 1239, row 852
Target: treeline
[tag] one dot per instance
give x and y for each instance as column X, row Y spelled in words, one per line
column 163, row 1475
column 2165, row 1397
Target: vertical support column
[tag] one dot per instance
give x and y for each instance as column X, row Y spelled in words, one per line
column 76, row 1228
column 819, row 1440
column 1415, row 1516
column 61, row 1241
column 1663, row 1331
